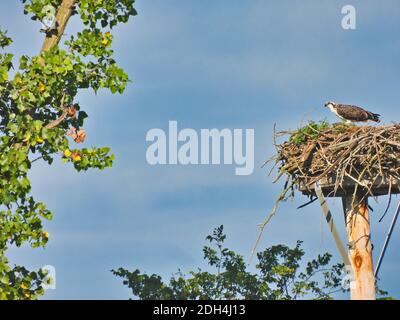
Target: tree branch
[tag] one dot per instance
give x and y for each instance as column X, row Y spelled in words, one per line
column 56, row 122
column 63, row 14
column 62, row 17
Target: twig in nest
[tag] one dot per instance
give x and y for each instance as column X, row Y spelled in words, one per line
column 262, row 225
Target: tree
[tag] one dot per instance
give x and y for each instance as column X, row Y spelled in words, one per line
column 279, row 276
column 39, row 118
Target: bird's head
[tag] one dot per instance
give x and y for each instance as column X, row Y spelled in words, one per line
column 330, row 104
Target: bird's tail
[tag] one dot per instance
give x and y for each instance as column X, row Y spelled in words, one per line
column 375, row 117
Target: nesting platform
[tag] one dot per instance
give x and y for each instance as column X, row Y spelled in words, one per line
column 380, row 187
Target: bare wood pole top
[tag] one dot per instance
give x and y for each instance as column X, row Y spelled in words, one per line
column 360, row 251
column 63, row 14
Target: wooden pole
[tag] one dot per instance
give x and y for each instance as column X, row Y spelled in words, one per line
column 360, row 248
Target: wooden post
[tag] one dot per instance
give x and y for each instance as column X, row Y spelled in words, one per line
column 360, row 248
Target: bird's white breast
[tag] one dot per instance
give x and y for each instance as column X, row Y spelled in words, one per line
column 335, row 112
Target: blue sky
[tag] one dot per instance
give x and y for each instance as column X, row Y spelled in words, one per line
column 207, row 64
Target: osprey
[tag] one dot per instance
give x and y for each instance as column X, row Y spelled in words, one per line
column 351, row 113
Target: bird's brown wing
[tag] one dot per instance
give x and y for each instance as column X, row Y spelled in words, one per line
column 353, row 113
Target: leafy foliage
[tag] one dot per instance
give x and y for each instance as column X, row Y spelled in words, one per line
column 279, row 276
column 313, row 130
column 309, row 132
column 4, row 40
column 39, row 119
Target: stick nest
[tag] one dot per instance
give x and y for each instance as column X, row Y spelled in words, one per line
column 342, row 158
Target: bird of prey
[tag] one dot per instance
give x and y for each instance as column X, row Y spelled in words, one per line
column 351, row 113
